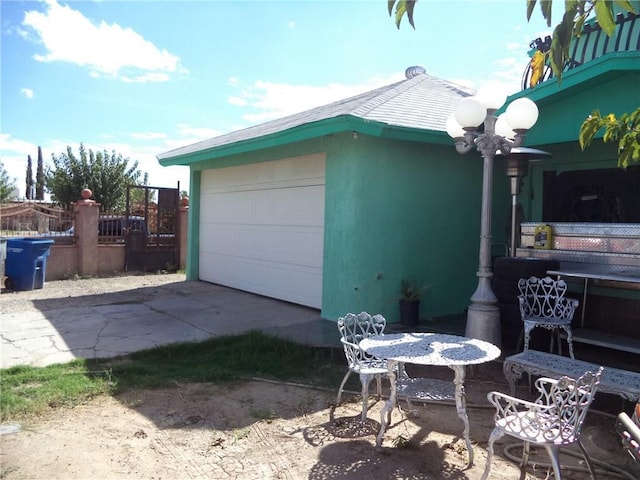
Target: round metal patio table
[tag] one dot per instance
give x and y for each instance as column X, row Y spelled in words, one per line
column 442, row 350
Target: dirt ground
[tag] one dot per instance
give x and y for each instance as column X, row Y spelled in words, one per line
column 260, row 430
column 265, row 430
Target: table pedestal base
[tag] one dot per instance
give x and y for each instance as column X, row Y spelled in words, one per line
column 460, row 400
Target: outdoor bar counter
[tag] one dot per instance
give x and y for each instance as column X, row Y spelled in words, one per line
column 601, row 263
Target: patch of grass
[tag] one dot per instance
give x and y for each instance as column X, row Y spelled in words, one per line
column 262, row 413
column 228, row 358
column 28, row 391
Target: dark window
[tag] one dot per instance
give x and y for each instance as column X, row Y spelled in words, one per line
column 599, row 196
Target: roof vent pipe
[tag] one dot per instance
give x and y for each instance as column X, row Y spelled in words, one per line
column 414, row 71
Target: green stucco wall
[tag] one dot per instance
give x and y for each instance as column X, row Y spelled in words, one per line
column 193, row 251
column 399, row 210
column 563, row 112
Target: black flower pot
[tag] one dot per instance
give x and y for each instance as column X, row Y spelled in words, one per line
column 409, row 312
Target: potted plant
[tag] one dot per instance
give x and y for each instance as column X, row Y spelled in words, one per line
column 409, row 297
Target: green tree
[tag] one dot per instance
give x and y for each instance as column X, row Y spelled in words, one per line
column 105, row 174
column 40, row 177
column 29, row 180
column 137, row 195
column 625, row 129
column 7, row 186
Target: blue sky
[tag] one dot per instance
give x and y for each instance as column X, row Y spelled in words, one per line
column 144, row 77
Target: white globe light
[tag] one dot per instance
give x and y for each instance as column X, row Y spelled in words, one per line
column 522, row 114
column 453, row 127
column 492, row 95
column 470, row 112
column 503, row 128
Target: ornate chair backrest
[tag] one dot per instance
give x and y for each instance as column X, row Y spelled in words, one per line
column 544, row 298
column 567, row 401
column 353, row 328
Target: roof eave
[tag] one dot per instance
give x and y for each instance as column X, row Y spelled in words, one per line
column 413, row 134
column 291, row 135
column 597, row 71
column 308, row 131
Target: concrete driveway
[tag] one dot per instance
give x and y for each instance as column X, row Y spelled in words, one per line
column 95, row 318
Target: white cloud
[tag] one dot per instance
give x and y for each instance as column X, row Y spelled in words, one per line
column 509, row 72
column 106, row 50
column 237, row 101
column 276, row 100
column 509, row 69
column 8, row 144
column 147, row 77
column 13, row 154
column 26, row 92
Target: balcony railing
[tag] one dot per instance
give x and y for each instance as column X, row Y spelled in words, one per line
column 591, row 44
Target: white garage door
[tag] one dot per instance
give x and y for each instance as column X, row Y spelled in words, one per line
column 262, row 228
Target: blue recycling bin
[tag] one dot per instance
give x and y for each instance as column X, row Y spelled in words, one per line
column 26, row 263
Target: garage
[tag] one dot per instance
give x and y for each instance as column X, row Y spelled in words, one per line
column 262, row 228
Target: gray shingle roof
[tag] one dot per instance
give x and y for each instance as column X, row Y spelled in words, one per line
column 422, row 102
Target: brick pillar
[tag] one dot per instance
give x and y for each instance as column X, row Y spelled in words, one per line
column 183, row 227
column 86, row 232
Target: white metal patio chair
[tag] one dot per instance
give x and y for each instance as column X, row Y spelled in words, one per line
column 552, row 421
column 353, row 328
column 543, row 303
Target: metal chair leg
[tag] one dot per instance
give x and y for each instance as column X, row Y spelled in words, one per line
column 526, row 447
column 587, row 459
column 569, row 340
column 344, row 381
column 496, row 434
column 365, row 380
column 554, row 455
